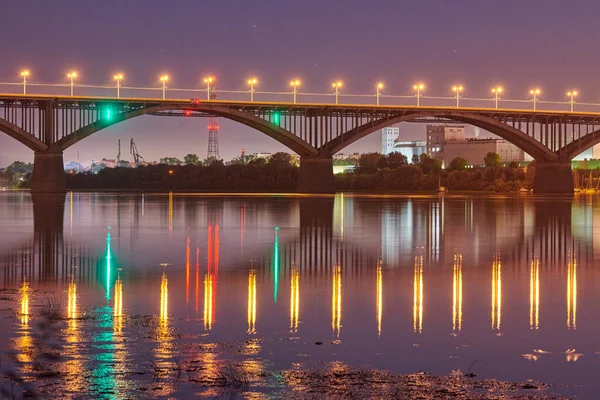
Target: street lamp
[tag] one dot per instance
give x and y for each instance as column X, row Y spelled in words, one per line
column 497, row 90
column 534, row 92
column 418, row 87
column 72, row 75
column 457, row 90
column 164, row 80
column 295, row 83
column 118, row 78
column 252, row 82
column 337, row 85
column 208, row 82
column 25, row 74
column 378, row 91
column 572, row 95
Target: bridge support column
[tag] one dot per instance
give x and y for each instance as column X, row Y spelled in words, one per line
column 553, row 178
column 316, row 175
column 48, row 172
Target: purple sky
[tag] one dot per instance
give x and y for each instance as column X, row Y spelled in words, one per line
column 518, row 43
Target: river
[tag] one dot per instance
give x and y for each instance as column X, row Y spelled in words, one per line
column 152, row 286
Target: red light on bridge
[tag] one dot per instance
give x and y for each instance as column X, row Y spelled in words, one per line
column 188, row 113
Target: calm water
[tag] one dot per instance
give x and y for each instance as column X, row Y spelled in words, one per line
column 398, row 283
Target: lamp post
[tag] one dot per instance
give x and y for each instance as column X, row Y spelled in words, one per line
column 534, row 92
column 418, row 87
column 72, row 75
column 118, row 78
column 295, row 83
column 164, row 80
column 252, row 82
column 572, row 95
column 25, row 74
column 457, row 89
column 497, row 90
column 208, row 82
column 378, row 91
column 337, row 85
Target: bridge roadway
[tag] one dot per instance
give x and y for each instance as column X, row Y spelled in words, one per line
column 50, row 124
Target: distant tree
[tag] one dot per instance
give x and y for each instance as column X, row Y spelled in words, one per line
column 492, row 159
column 123, row 164
column 369, row 162
column 428, row 164
column 280, row 159
column 191, row 159
column 209, row 161
column 458, row 163
column 393, row 160
column 415, row 159
column 513, row 164
column 19, row 167
column 170, row 161
column 257, row 161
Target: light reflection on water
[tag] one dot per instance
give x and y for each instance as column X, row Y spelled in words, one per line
column 465, row 260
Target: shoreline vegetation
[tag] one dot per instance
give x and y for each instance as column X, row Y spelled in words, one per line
column 370, row 172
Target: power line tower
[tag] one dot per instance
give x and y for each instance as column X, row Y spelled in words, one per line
column 213, row 136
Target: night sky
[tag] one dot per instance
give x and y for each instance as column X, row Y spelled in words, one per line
column 520, row 44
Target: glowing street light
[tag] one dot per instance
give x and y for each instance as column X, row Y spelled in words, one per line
column 418, row 87
column 208, row 82
column 252, row 82
column 72, row 75
column 118, row 78
column 337, row 85
column 164, row 80
column 457, row 89
column 535, row 93
column 497, row 90
column 572, row 95
column 378, row 91
column 295, row 83
column 25, row 74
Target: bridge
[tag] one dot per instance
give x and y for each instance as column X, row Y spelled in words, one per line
column 49, row 124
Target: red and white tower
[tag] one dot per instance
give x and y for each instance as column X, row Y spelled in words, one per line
column 213, row 136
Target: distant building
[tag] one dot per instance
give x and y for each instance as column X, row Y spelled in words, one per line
column 388, row 139
column 345, row 156
column 446, row 142
column 410, row 149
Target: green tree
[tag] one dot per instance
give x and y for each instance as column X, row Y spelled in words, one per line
column 458, row 163
column 415, row 159
column 393, row 160
column 170, row 161
column 492, row 159
column 429, row 165
column 280, row 159
column 191, row 159
column 369, row 162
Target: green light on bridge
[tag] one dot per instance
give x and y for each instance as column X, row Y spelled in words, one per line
column 276, row 118
column 108, row 113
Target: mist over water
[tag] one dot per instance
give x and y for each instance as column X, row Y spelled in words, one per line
column 401, row 283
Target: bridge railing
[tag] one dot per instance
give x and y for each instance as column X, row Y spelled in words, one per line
column 173, row 93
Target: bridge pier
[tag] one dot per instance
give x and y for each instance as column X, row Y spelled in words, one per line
column 48, row 172
column 553, row 178
column 316, row 175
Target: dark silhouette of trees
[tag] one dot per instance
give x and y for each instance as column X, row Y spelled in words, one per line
column 393, row 160
column 492, row 159
column 280, row 159
column 170, row 161
column 191, row 159
column 458, row 164
column 368, row 163
column 429, row 165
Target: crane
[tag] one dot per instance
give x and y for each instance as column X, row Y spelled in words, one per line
column 137, row 158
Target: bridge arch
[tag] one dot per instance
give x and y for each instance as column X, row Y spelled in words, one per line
column 580, row 145
column 527, row 143
column 22, row 136
column 281, row 135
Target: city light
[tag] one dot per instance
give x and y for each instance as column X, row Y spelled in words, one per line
column 252, row 82
column 534, row 294
column 497, row 90
column 294, row 299
column 572, row 294
column 118, row 78
column 164, row 79
column 251, row 301
column 457, row 89
column 419, row 87
column 572, row 95
column 336, row 301
column 418, row 295
column 496, row 293
column 378, row 88
column 72, row 75
column 209, row 81
column 25, row 74
column 337, row 85
column 457, row 294
column 295, row 83
column 535, row 93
